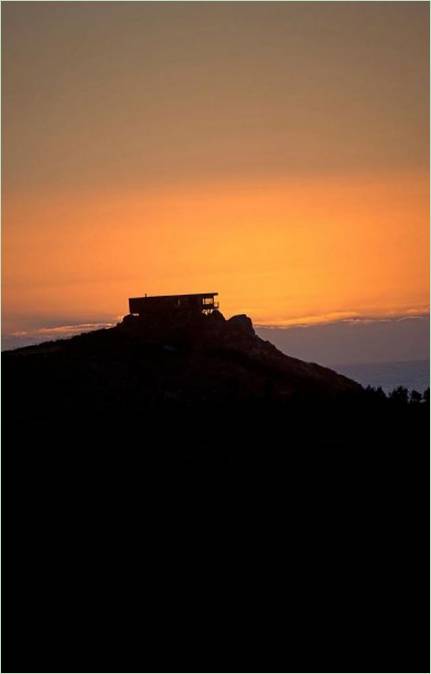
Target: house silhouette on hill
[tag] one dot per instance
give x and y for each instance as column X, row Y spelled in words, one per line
column 165, row 305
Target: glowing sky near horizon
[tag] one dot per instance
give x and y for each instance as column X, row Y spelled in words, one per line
column 274, row 152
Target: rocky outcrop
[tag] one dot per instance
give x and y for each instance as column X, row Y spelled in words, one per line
column 241, row 325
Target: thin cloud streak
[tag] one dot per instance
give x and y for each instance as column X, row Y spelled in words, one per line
column 347, row 317
column 63, row 329
column 20, row 338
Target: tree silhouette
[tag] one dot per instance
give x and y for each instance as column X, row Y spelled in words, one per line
column 415, row 397
column 400, row 395
column 376, row 395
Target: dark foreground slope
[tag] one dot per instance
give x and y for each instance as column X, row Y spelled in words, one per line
column 187, row 498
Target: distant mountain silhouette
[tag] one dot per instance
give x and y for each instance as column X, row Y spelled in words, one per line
column 178, row 490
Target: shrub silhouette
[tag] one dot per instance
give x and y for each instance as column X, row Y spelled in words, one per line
column 415, row 397
column 399, row 395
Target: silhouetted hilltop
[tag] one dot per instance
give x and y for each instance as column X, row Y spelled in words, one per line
column 204, row 357
column 189, row 469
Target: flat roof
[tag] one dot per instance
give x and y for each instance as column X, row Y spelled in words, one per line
column 159, row 297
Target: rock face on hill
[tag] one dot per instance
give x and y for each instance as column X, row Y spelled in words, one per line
column 204, row 358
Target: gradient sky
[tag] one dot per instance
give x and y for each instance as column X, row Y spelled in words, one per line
column 274, row 152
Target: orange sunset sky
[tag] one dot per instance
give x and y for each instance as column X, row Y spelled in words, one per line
column 274, row 152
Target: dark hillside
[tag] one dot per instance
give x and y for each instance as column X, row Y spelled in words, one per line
column 208, row 358
column 175, row 494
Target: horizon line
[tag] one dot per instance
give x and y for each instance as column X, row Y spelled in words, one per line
column 334, row 318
